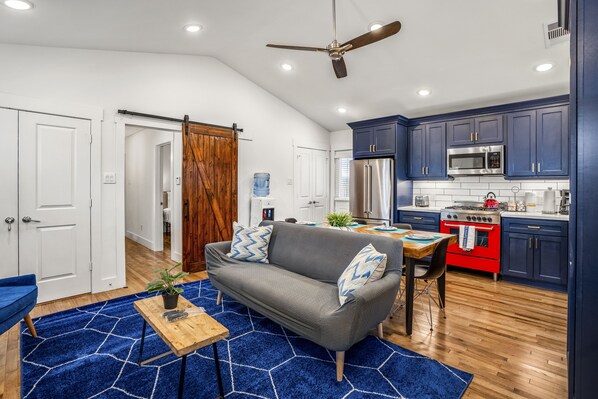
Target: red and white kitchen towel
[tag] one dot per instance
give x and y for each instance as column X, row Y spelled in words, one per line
column 467, row 237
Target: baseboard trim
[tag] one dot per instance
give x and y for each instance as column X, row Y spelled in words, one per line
column 141, row 240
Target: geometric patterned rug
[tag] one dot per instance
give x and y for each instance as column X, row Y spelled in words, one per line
column 91, row 352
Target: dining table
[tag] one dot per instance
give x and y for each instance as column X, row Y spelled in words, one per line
column 413, row 250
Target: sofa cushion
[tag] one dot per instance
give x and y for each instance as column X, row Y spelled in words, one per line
column 323, row 254
column 250, row 243
column 15, row 299
column 368, row 265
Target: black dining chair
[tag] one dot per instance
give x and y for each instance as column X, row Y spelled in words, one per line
column 290, row 220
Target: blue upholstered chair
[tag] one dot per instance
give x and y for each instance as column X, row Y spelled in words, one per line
column 18, row 295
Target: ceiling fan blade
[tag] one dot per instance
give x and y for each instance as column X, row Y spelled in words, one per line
column 340, row 68
column 302, row 48
column 372, row 37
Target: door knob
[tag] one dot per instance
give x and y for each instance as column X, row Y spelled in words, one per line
column 9, row 221
column 27, row 219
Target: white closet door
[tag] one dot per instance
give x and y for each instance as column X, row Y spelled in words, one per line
column 320, row 165
column 54, row 194
column 311, row 184
column 9, row 202
column 302, row 188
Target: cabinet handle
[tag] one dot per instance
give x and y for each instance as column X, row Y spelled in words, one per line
column 427, row 170
column 417, row 218
column 536, row 242
column 533, row 167
column 476, row 136
column 374, row 147
column 423, row 170
column 530, row 243
column 370, row 148
column 534, row 227
column 471, row 137
column 539, row 169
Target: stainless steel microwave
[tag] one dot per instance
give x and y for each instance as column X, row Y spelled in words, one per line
column 476, row 161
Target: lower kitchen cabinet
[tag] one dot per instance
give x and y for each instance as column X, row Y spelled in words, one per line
column 425, row 221
column 534, row 252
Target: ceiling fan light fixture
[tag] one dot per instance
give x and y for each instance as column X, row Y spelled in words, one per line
column 544, row 67
column 194, row 28
column 342, row 110
column 20, row 5
column 424, row 92
column 286, row 67
column 375, row 26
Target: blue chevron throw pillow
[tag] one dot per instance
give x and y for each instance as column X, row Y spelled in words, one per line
column 367, row 266
column 250, row 243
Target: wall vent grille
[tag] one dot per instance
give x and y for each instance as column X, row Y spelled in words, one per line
column 554, row 34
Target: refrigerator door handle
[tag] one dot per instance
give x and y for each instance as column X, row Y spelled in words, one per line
column 370, row 189
column 365, row 189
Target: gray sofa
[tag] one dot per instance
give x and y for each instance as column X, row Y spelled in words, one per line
column 298, row 290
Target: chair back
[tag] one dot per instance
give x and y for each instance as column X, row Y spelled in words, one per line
column 290, row 220
column 403, row 226
column 438, row 263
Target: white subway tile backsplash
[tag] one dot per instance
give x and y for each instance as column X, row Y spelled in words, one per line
column 474, row 188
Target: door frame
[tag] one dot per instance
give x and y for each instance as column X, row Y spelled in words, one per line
column 159, row 216
column 309, row 145
column 121, row 121
column 96, row 116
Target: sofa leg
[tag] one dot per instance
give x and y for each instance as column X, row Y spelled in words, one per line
column 219, row 299
column 380, row 331
column 30, row 325
column 340, row 365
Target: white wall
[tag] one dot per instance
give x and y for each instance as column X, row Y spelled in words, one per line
column 143, row 223
column 166, row 167
column 169, row 85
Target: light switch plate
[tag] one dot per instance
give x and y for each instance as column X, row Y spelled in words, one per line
column 109, row 178
column 177, row 180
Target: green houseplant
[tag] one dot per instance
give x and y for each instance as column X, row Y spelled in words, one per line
column 165, row 283
column 340, row 219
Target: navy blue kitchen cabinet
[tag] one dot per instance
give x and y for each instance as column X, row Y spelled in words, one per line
column 484, row 130
column 534, row 252
column 538, row 143
column 426, row 221
column 427, row 151
column 375, row 141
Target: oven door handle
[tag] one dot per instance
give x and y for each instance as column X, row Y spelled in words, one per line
column 477, row 228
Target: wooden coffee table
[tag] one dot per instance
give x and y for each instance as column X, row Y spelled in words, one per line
column 182, row 336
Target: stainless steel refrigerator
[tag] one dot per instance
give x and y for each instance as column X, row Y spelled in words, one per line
column 371, row 190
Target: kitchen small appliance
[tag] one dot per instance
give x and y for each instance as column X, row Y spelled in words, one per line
column 476, row 161
column 490, row 201
column 422, row 201
column 565, row 202
column 549, row 201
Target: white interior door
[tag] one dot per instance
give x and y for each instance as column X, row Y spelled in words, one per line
column 9, row 199
column 54, row 203
column 311, row 184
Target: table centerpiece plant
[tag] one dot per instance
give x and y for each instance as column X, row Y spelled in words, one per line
column 340, row 220
column 165, row 283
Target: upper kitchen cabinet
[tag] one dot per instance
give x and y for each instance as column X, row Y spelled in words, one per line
column 427, row 151
column 375, row 141
column 538, row 143
column 475, row 131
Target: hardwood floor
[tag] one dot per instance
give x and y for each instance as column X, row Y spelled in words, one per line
column 512, row 338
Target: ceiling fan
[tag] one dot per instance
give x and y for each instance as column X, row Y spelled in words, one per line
column 336, row 50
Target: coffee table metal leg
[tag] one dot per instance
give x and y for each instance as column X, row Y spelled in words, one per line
column 182, row 377
column 142, row 342
column 218, row 375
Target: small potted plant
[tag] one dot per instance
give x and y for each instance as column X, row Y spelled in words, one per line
column 165, row 283
column 340, row 220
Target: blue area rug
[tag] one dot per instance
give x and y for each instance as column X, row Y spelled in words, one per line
column 92, row 351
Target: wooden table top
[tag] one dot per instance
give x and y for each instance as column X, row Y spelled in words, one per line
column 412, row 249
column 182, row 336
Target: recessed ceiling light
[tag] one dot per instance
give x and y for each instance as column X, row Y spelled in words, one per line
column 286, row 67
column 193, row 28
column 544, row 67
column 375, row 26
column 20, row 5
column 342, row 110
column 424, row 92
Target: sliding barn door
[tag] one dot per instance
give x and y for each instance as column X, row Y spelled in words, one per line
column 209, row 190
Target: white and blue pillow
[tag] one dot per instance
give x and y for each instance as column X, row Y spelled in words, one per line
column 250, row 244
column 367, row 266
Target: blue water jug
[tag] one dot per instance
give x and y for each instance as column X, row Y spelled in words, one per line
column 261, row 184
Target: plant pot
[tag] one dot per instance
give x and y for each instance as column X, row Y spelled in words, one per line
column 170, row 301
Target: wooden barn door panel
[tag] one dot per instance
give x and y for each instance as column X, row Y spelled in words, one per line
column 209, row 190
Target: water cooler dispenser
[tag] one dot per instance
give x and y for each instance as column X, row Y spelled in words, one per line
column 262, row 208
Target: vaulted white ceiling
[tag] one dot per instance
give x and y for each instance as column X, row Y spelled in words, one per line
column 469, row 53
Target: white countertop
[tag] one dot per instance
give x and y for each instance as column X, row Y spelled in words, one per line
column 536, row 215
column 412, row 208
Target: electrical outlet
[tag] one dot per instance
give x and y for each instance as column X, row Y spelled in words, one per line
column 177, row 180
column 109, row 178
column 289, row 182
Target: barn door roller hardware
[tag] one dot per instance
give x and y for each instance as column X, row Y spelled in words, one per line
column 185, row 120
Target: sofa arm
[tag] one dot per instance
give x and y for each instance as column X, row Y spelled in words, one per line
column 215, row 252
column 27, row 279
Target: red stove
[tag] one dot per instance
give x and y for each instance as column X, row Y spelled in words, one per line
column 485, row 255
